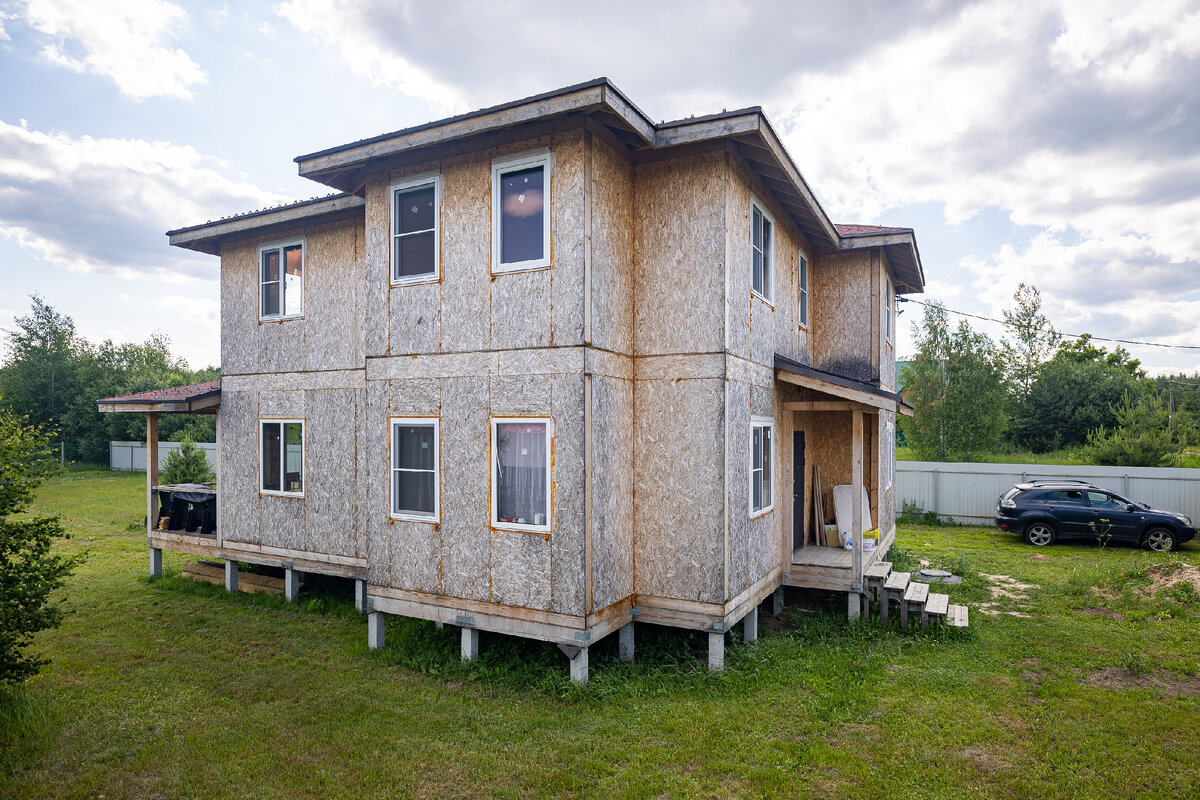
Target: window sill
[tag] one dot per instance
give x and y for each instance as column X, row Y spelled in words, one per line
column 417, row 280
column 281, row 319
column 513, row 526
column 434, row 520
column 770, row 303
column 761, row 512
column 524, row 266
column 267, row 493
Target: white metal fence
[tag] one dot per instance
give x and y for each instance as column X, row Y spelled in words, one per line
column 966, row 492
column 131, row 456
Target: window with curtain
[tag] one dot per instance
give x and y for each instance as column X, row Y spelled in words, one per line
column 282, row 456
column 761, row 447
column 415, row 469
column 521, row 474
column 281, row 281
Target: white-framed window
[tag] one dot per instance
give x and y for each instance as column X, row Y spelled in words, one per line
column 416, row 465
column 762, row 244
column 762, row 446
column 416, row 233
column 889, row 455
column 281, row 449
column 521, row 212
column 521, row 473
column 281, row 280
column 803, row 309
column 890, row 312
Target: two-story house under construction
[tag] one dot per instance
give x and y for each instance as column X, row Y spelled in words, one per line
column 549, row 368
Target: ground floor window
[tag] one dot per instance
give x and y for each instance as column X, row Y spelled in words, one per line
column 521, row 473
column 415, row 460
column 282, row 456
column 761, row 446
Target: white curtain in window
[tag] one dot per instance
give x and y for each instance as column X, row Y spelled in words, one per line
column 521, row 472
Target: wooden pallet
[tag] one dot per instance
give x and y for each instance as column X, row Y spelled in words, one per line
column 213, row 572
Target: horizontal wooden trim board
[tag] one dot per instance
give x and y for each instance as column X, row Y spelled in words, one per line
column 207, row 546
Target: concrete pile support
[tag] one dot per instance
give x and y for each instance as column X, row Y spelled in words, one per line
column 625, row 642
column 716, row 651
column 375, row 630
column 231, row 576
column 470, row 644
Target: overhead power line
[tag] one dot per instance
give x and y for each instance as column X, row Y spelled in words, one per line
column 1065, row 335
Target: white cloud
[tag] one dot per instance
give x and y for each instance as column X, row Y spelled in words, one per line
column 123, row 40
column 4, row 37
column 102, row 205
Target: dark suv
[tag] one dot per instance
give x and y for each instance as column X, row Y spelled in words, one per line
column 1045, row 511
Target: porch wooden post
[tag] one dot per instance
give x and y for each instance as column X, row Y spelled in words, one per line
column 854, row 604
column 151, row 482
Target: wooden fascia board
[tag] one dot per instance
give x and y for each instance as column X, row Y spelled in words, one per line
column 208, row 236
column 846, row 393
column 874, row 240
column 583, row 100
column 144, row 408
column 618, row 105
column 699, row 131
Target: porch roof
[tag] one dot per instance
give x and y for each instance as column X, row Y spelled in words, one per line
column 868, row 393
column 195, row 398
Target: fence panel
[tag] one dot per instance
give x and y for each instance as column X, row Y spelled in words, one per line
column 131, row 456
column 965, row 492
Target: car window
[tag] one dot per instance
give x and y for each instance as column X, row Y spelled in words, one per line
column 1066, row 497
column 1104, row 500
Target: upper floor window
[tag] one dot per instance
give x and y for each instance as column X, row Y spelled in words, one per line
column 521, row 474
column 803, row 311
column 282, row 447
column 761, row 499
column 762, row 235
column 890, row 314
column 281, row 280
column 521, row 212
column 415, row 468
column 415, row 241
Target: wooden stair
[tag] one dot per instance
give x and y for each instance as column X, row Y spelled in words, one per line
column 913, row 597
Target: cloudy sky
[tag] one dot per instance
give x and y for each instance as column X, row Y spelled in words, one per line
column 1055, row 143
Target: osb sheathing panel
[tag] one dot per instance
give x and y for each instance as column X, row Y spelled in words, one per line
column 281, row 522
column 828, row 445
column 331, row 521
column 375, row 475
column 520, row 395
column 679, row 245
column 740, row 524
column 237, row 512
column 328, row 336
column 416, row 554
column 415, row 397
column 481, row 311
column 280, row 405
column 612, row 490
column 465, row 466
column 612, row 248
column 521, row 310
column 887, row 356
column 758, row 330
column 415, row 320
column 566, row 398
column 765, row 531
column 521, row 565
column 679, row 460
column 842, row 317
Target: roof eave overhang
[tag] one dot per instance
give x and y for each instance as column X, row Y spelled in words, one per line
column 207, row 238
column 902, row 253
column 855, row 391
column 207, row 403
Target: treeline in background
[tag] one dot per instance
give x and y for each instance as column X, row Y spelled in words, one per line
column 1037, row 396
column 54, row 376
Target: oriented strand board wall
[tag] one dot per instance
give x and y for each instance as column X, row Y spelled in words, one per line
column 463, row 556
column 469, row 309
column 679, row 469
column 887, row 355
column 328, row 336
column 754, row 548
column 612, row 247
column 612, row 490
column 325, row 519
column 680, row 255
column 842, row 311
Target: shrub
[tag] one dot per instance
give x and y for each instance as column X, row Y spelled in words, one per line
column 28, row 571
column 188, row 464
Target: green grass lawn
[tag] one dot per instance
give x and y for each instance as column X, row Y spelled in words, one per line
column 166, row 688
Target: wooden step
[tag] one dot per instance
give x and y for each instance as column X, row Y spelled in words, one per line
column 893, row 589
column 879, row 570
column 956, row 616
column 915, row 595
column 210, row 572
column 935, row 606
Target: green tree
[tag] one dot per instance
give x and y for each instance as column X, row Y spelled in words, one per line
column 187, row 465
column 29, row 573
column 1141, row 437
column 40, row 377
column 1033, row 339
column 1074, row 394
column 956, row 386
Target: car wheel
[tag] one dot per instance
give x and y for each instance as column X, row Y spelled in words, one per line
column 1160, row 540
column 1039, row 534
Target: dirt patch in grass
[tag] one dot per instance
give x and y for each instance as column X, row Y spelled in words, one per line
column 1031, row 671
column 1005, row 587
column 987, row 762
column 1040, row 557
column 1102, row 612
column 1165, row 681
column 1170, row 574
